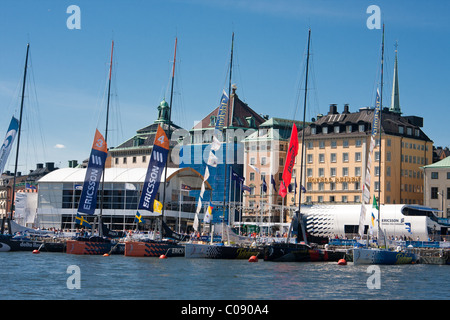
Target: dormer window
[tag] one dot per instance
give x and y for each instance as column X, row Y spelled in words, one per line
column 401, row 130
column 325, row 130
column 313, row 130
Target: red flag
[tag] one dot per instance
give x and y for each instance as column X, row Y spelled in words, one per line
column 290, row 161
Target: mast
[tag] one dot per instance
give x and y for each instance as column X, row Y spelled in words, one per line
column 169, row 135
column 18, row 141
column 100, row 229
column 228, row 124
column 381, row 113
column 303, row 139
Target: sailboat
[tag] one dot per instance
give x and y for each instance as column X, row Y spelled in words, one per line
column 232, row 246
column 30, row 239
column 95, row 171
column 297, row 252
column 369, row 255
column 158, row 164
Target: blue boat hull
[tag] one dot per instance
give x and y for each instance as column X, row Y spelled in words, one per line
column 382, row 256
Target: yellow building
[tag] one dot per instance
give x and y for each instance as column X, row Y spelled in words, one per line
column 336, row 151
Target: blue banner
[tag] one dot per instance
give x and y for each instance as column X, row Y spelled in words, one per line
column 88, row 199
column 7, row 144
column 154, row 171
column 221, row 113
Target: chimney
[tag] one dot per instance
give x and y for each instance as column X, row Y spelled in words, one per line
column 39, row 166
column 333, row 109
column 50, row 166
column 346, row 109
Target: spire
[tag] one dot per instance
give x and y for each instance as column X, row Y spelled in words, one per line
column 395, row 99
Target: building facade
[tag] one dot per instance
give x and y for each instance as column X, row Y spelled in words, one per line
column 437, row 186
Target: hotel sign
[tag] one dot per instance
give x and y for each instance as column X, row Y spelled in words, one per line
column 333, row 179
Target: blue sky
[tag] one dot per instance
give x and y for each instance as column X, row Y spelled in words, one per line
column 68, row 73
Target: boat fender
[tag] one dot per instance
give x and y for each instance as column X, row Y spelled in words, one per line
column 106, row 255
column 163, row 256
column 342, row 262
column 253, row 259
column 36, row 251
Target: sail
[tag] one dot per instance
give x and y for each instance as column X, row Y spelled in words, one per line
column 7, row 144
column 367, row 179
column 290, row 161
column 96, row 165
column 155, row 167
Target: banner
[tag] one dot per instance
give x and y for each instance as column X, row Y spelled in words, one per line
column 7, row 144
column 96, row 165
column 290, row 161
column 221, row 113
column 155, row 167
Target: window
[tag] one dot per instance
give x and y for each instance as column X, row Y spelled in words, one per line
column 252, row 176
column 344, row 185
column 448, row 193
column 388, row 142
column 435, row 175
column 345, row 143
column 345, row 157
column 336, row 129
column 320, row 199
column 331, row 198
column 310, row 158
column 377, row 171
column 357, row 186
column 434, row 193
column 409, row 131
column 333, row 172
column 321, row 186
column 321, row 172
column 356, row 199
column 448, row 175
column 358, row 143
column 401, row 130
column 313, row 130
column 134, row 160
column 332, row 186
column 377, row 155
column 349, row 128
column 345, row 172
column 309, row 186
column 325, row 130
column 263, row 161
column 361, row 128
column 357, row 171
column 309, row 172
column 358, row 156
column 321, row 144
column 310, row 145
column 333, row 157
column 377, row 185
column 344, row 199
column 333, row 144
column 322, row 157
column 124, row 160
column 144, row 159
column 252, row 161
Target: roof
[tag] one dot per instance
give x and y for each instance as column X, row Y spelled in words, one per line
column 444, row 163
column 123, row 175
column 237, row 117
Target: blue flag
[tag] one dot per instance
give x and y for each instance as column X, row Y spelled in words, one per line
column 138, row 218
column 264, row 185
column 79, row 219
column 220, row 122
column 154, row 171
column 7, row 144
column 88, row 199
column 272, row 180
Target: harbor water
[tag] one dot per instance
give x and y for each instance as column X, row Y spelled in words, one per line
column 51, row 276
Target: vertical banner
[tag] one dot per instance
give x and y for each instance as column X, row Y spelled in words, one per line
column 155, row 167
column 88, row 199
column 7, row 144
column 290, row 161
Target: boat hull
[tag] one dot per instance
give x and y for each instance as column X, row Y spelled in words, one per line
column 212, row 251
column 8, row 243
column 153, row 249
column 93, row 247
column 382, row 256
column 300, row 253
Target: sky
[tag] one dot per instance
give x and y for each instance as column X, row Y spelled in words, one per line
column 65, row 99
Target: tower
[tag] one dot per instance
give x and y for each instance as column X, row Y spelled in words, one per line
column 395, row 98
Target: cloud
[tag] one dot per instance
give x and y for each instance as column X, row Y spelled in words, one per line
column 59, row 146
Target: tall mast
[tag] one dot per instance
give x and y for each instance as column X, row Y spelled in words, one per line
column 303, row 142
column 380, row 112
column 169, row 135
column 228, row 124
column 106, row 139
column 18, row 139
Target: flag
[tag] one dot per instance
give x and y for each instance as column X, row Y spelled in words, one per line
column 96, row 165
column 303, row 189
column 272, row 180
column 246, row 188
column 215, row 145
column 208, row 214
column 212, row 159
column 376, row 116
column 30, row 186
column 7, row 144
column 129, row 186
column 157, row 206
column 185, row 187
column 282, row 192
column 79, row 219
column 264, row 185
column 408, row 227
column 237, row 177
column 374, row 209
column 290, row 160
column 138, row 218
column 254, row 168
column 155, row 167
column 221, row 113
